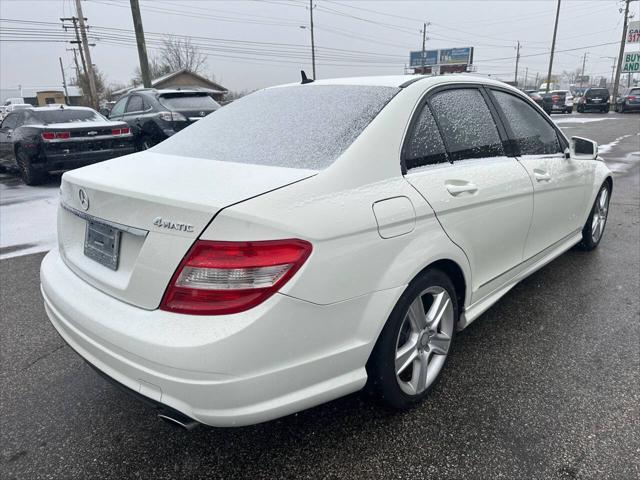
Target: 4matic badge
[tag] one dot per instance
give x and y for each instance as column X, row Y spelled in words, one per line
column 170, row 225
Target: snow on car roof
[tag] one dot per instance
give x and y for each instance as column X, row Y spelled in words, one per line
column 60, row 106
column 400, row 80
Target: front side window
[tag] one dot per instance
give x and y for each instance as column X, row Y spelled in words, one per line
column 301, row 126
column 532, row 134
column 424, row 145
column 466, row 124
column 135, row 104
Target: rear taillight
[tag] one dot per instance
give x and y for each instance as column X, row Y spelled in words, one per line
column 555, row 98
column 221, row 278
column 120, row 131
column 55, row 135
column 172, row 117
column 631, row 97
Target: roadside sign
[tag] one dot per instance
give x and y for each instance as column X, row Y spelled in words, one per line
column 633, row 32
column 455, row 56
column 430, row 58
column 631, row 62
column 445, row 56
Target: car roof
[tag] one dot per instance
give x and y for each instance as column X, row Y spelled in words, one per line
column 400, row 81
column 59, row 106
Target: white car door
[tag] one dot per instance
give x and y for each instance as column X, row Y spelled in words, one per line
column 559, row 183
column 454, row 156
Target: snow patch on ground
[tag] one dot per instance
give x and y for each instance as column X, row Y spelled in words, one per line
column 608, row 146
column 27, row 217
column 582, row 119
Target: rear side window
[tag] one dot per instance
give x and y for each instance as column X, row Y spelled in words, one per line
column 10, row 121
column 424, row 145
column 118, row 108
column 532, row 134
column 300, row 126
column 135, row 104
column 189, row 102
column 466, row 124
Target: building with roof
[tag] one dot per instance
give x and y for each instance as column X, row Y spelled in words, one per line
column 45, row 92
column 182, row 79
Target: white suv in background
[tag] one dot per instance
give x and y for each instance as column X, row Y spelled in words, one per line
column 310, row 240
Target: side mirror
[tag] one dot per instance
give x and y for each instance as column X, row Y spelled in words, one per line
column 583, row 148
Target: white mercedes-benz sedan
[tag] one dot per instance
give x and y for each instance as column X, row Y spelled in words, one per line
column 311, row 240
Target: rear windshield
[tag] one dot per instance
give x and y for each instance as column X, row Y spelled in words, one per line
column 598, row 91
column 302, row 126
column 634, row 91
column 189, row 102
column 56, row 115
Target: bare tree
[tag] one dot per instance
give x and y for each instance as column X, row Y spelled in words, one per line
column 179, row 53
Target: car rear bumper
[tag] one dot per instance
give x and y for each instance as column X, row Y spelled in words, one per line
column 66, row 161
column 280, row 357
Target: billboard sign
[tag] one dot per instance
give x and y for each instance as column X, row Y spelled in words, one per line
column 633, row 32
column 456, row 56
column 430, row 58
column 631, row 62
column 446, row 56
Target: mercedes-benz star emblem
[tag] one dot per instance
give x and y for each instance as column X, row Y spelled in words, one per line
column 84, row 199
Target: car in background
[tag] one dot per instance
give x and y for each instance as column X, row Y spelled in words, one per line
column 155, row 115
column 14, row 101
column 535, row 96
column 311, row 240
column 557, row 101
column 628, row 101
column 40, row 140
column 12, row 107
column 3, row 112
column 594, row 99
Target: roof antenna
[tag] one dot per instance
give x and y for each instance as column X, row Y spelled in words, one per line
column 304, row 78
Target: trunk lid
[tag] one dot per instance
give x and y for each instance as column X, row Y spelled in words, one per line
column 157, row 205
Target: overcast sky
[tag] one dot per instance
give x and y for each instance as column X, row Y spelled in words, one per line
column 252, row 44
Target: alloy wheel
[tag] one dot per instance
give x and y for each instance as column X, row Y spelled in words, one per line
column 600, row 215
column 424, row 339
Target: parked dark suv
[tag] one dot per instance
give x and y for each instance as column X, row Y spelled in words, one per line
column 594, row 99
column 155, row 115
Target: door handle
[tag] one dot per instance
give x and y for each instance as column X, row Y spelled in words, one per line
column 542, row 176
column 457, row 189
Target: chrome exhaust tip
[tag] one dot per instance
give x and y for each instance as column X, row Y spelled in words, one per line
column 178, row 420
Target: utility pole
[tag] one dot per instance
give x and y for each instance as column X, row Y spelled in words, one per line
column 517, row 61
column 526, row 76
column 313, row 45
column 85, row 44
column 536, row 81
column 553, row 46
column 424, row 44
column 584, row 60
column 621, row 52
column 64, row 82
column 75, row 60
column 78, row 42
column 142, row 46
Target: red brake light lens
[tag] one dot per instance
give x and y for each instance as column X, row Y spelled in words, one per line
column 221, row 278
column 120, row 131
column 124, row 131
column 631, row 97
column 48, row 135
column 63, row 135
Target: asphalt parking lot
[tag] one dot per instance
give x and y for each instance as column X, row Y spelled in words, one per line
column 545, row 385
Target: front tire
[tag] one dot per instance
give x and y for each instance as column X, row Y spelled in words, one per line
column 597, row 220
column 28, row 174
column 414, row 344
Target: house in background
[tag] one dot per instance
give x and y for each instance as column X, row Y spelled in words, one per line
column 182, row 79
column 38, row 96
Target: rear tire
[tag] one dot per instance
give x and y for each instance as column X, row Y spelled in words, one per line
column 147, row 142
column 28, row 174
column 414, row 344
column 596, row 222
